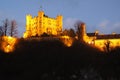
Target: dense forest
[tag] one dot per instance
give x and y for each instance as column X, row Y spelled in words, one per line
column 52, row 60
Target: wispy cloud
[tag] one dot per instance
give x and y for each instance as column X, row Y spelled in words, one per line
column 69, row 23
column 104, row 23
column 117, row 24
column 107, row 26
column 2, row 14
column 116, row 27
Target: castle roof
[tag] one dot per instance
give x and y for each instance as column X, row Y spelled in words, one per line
column 106, row 36
column 91, row 34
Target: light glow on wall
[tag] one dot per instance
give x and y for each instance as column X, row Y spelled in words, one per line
column 68, row 41
column 8, row 44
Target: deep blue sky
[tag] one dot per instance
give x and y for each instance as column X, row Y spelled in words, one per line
column 102, row 15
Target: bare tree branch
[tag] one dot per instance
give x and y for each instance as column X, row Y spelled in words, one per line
column 1, row 31
column 13, row 28
column 5, row 26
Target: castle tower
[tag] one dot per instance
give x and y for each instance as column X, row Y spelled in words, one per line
column 40, row 22
column 28, row 22
column 59, row 23
column 27, row 33
column 83, row 28
column 82, row 31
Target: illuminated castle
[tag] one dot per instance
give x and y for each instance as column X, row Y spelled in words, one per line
column 36, row 26
column 103, row 42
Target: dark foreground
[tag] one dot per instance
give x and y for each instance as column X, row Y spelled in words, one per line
column 51, row 60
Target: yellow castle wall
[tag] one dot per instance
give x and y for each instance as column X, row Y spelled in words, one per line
column 42, row 24
column 100, row 43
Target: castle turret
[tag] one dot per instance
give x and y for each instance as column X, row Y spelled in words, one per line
column 82, row 31
column 27, row 33
column 28, row 22
column 83, row 28
column 96, row 32
column 59, row 23
column 40, row 22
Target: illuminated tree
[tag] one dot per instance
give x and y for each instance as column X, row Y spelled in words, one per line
column 107, row 46
column 65, row 32
column 69, row 32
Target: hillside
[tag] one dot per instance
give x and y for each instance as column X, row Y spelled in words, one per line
column 52, row 60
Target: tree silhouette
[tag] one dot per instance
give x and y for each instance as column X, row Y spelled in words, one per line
column 1, row 31
column 5, row 26
column 13, row 28
column 71, row 33
column 65, row 32
column 107, row 46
